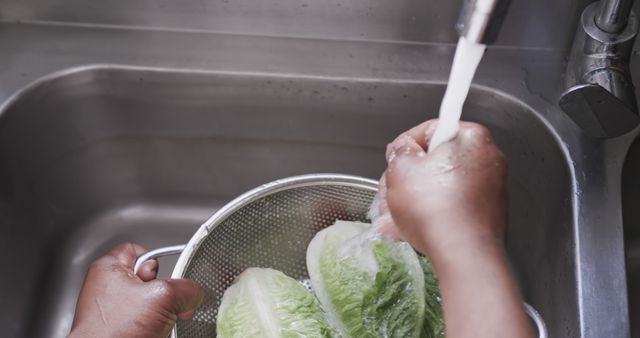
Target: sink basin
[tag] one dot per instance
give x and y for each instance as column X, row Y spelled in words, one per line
column 631, row 219
column 94, row 156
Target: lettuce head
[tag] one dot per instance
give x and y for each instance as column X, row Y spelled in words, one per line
column 266, row 303
column 368, row 285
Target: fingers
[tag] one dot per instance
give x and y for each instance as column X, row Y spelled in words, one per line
column 379, row 205
column 404, row 147
column 475, row 133
column 402, row 158
column 187, row 315
column 421, row 131
column 127, row 253
column 184, row 296
column 148, row 271
column 405, row 161
column 379, row 212
column 429, row 131
column 387, row 227
column 382, row 185
column 421, row 134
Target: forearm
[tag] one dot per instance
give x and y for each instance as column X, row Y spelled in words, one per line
column 480, row 295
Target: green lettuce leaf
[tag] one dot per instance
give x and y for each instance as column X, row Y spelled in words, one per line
column 368, row 285
column 267, row 303
column 433, row 326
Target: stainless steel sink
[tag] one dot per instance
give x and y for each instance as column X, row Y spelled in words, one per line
column 136, row 122
column 631, row 215
column 98, row 155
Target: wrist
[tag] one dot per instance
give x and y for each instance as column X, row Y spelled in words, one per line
column 460, row 237
column 90, row 332
column 469, row 258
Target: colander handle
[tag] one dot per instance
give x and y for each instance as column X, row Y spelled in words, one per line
column 537, row 319
column 161, row 252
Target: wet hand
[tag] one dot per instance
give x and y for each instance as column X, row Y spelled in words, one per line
column 115, row 302
column 451, row 198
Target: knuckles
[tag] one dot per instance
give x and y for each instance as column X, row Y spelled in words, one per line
column 163, row 291
column 477, row 132
column 102, row 263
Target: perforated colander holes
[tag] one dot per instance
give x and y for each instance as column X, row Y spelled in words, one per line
column 271, row 232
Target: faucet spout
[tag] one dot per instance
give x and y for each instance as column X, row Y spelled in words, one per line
column 480, row 20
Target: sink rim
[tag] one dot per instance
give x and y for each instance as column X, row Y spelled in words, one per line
column 24, row 91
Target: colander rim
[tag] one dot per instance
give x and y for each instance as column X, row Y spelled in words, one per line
column 260, row 192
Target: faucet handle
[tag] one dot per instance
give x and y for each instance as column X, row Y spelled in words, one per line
column 600, row 96
column 598, row 112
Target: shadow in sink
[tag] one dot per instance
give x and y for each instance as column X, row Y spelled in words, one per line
column 101, row 155
column 631, row 220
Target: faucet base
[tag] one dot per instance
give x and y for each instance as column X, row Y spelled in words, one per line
column 600, row 95
column 599, row 113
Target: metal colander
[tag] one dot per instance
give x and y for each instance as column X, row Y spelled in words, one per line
column 270, row 226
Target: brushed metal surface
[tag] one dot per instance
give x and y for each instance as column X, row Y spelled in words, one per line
column 631, row 216
column 88, row 148
column 536, row 24
column 160, row 112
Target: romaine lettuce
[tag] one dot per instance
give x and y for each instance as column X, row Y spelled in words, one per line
column 433, row 326
column 267, row 303
column 369, row 286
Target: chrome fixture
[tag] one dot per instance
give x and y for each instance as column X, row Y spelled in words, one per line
column 480, row 20
column 599, row 94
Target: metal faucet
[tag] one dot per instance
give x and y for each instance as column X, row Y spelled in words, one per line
column 599, row 93
column 480, row 20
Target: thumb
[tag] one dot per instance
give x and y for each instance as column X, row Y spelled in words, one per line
column 184, row 297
